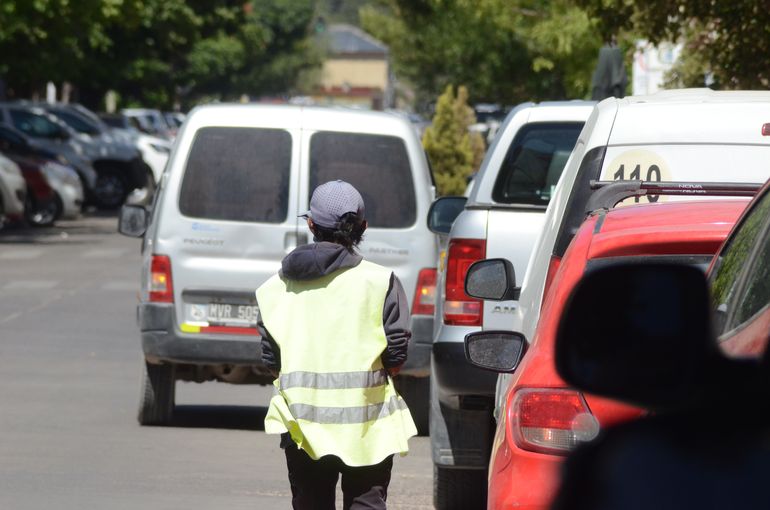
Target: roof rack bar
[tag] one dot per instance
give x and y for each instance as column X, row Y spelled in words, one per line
column 610, row 193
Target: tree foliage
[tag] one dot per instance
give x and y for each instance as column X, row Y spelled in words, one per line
column 454, row 152
column 504, row 50
column 157, row 51
column 724, row 38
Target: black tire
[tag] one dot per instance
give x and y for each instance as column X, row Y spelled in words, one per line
column 44, row 216
column 416, row 392
column 459, row 489
column 158, row 391
column 110, row 190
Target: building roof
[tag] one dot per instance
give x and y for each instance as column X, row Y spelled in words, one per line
column 349, row 40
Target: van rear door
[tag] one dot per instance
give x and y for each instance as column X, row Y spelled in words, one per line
column 381, row 159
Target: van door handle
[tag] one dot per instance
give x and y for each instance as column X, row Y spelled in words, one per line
column 301, row 238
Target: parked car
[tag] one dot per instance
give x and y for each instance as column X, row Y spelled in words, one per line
column 13, row 192
column 151, row 121
column 508, row 201
column 62, row 178
column 108, row 170
column 155, row 150
column 702, row 366
column 669, row 136
column 227, row 213
column 543, row 418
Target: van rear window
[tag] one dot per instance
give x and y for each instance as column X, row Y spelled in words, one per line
column 238, row 174
column 377, row 165
column 534, row 163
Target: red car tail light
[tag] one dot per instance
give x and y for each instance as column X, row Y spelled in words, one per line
column 425, row 293
column 161, row 288
column 551, row 421
column 459, row 308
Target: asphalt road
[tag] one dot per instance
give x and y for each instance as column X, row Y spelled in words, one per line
column 69, row 386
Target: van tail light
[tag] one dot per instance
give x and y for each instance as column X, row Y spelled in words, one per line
column 459, row 308
column 552, row 421
column 766, row 129
column 553, row 267
column 424, row 302
column 161, row 288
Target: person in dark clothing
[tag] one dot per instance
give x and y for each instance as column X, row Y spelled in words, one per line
column 319, row 339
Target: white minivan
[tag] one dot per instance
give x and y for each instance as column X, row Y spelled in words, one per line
column 689, row 135
column 226, row 214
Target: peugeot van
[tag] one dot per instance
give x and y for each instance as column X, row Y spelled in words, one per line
column 226, row 214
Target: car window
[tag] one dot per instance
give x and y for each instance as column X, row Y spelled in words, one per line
column 76, row 122
column 238, row 174
column 726, row 275
column 534, row 162
column 33, row 124
column 377, row 165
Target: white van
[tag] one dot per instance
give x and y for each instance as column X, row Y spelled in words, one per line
column 227, row 213
column 677, row 135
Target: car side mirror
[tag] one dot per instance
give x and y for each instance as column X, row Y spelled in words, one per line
column 133, row 220
column 443, row 213
column 639, row 333
column 492, row 279
column 499, row 351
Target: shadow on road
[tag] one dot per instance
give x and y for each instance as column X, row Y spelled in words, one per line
column 220, row 417
column 93, row 223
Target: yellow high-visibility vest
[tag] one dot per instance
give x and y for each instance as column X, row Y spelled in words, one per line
column 334, row 396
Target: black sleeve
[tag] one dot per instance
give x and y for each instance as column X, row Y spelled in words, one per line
column 271, row 353
column 395, row 321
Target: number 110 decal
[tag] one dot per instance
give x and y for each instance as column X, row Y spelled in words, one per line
column 637, row 165
column 653, row 174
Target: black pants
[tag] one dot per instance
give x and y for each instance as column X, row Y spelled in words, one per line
column 314, row 482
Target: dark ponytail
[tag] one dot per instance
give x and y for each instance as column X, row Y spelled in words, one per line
column 348, row 233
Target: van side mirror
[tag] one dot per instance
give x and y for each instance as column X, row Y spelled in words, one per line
column 639, row 333
column 499, row 351
column 133, row 220
column 443, row 213
column 492, row 279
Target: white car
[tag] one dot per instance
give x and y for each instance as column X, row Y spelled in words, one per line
column 66, row 184
column 13, row 191
column 678, row 135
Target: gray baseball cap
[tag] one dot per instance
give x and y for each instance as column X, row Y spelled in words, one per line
column 331, row 201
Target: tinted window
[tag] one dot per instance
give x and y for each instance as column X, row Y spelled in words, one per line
column 34, row 125
column 377, row 165
column 733, row 258
column 534, row 162
column 238, row 174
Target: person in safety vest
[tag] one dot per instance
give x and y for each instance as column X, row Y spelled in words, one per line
column 335, row 329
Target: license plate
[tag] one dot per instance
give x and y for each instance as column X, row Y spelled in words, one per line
column 225, row 313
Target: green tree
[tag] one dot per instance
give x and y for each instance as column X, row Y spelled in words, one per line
column 506, row 51
column 452, row 149
column 156, row 52
column 721, row 37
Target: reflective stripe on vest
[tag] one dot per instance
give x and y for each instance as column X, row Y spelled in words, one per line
column 347, row 415
column 333, row 380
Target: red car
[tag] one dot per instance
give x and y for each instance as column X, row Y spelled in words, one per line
column 41, row 209
column 542, row 418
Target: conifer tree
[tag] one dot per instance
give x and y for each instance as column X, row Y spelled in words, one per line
column 454, row 152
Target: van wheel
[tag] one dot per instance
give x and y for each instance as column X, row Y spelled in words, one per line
column 43, row 216
column 158, row 391
column 110, row 190
column 459, row 489
column 416, row 393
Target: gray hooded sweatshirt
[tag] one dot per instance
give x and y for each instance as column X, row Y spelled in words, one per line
column 312, row 261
